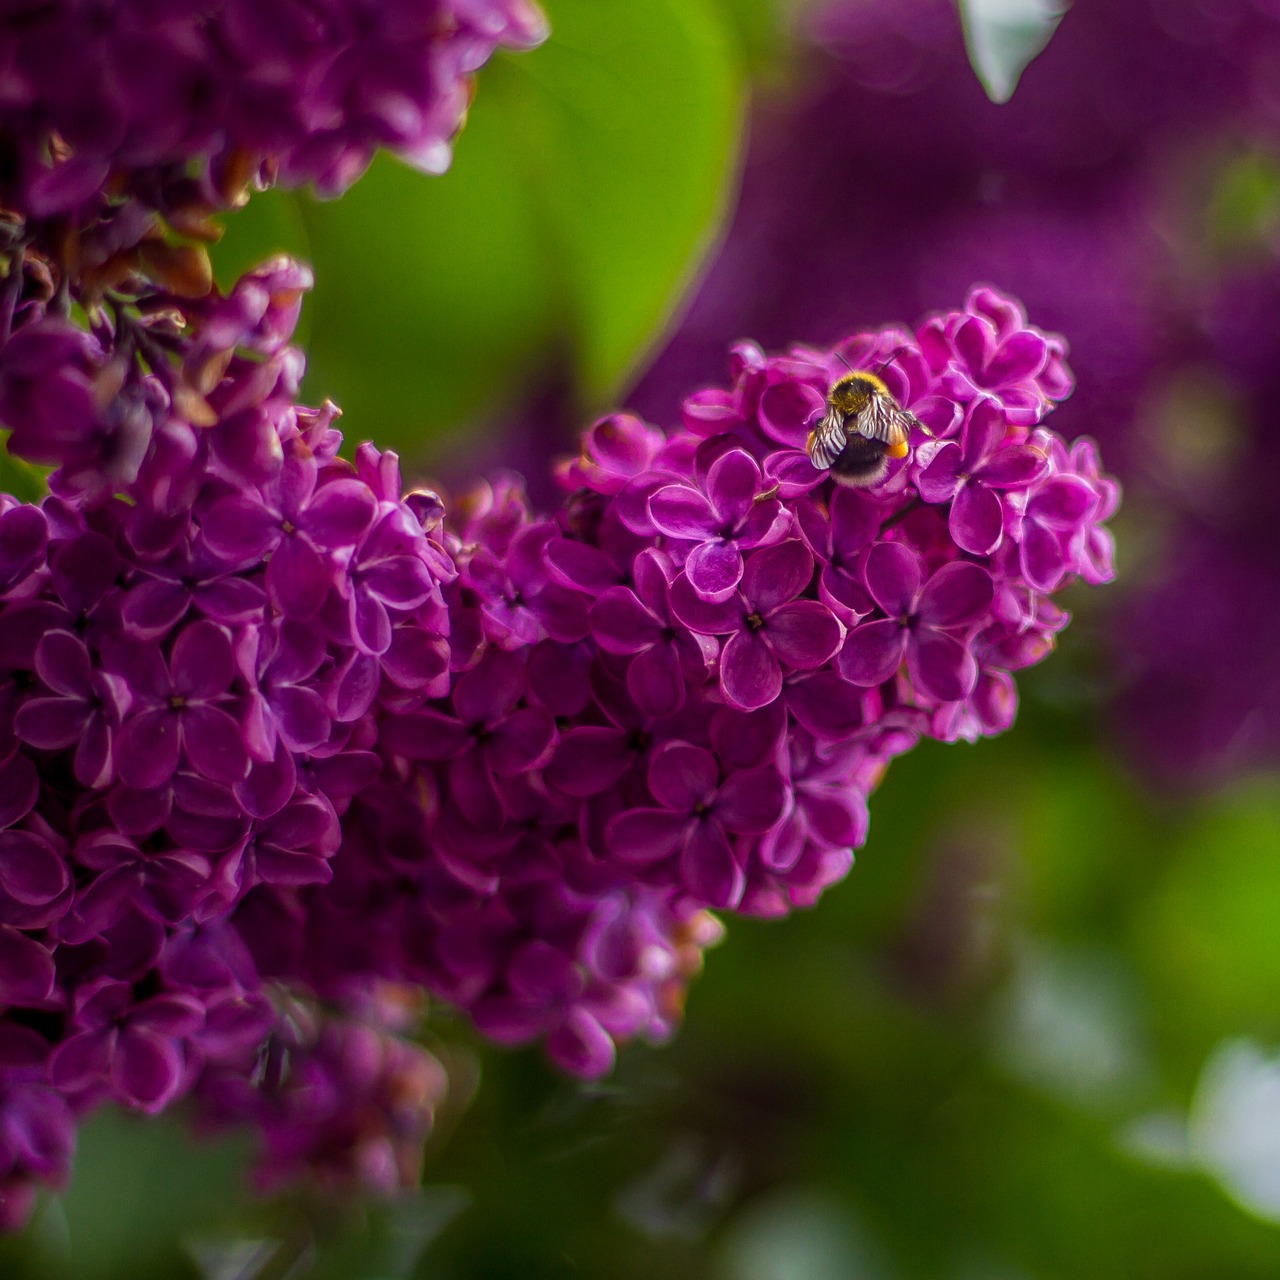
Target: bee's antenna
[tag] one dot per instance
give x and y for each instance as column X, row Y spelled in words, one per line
column 844, row 362
column 890, row 358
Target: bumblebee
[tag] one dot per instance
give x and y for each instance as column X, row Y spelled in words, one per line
column 863, row 427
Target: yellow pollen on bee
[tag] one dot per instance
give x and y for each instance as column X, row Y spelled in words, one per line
column 898, row 450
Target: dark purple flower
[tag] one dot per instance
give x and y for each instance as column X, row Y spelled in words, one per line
column 972, row 474
column 729, row 514
column 488, row 737
column 133, row 1049
column 294, row 522
column 640, row 623
column 84, row 708
column 766, row 624
column 699, row 812
column 923, row 612
column 177, row 709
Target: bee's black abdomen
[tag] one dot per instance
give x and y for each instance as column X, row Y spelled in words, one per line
column 861, row 462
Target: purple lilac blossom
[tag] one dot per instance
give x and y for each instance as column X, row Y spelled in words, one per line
column 257, row 699
column 192, row 99
column 1087, row 195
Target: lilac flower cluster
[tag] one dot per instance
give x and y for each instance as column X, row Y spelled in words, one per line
column 126, row 125
column 273, row 736
column 194, row 650
column 174, row 105
column 1105, row 195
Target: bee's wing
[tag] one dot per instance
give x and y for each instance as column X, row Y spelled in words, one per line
column 884, row 420
column 827, row 440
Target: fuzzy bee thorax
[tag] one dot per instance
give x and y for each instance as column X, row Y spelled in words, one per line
column 851, row 394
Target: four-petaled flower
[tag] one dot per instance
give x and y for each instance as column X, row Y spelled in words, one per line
column 765, row 622
column 971, row 474
column 922, row 614
column 731, row 513
column 699, row 813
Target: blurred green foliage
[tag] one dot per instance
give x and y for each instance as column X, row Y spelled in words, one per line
column 590, row 179
column 19, row 478
column 944, row 1071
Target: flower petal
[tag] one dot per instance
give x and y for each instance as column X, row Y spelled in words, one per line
column 872, row 652
column 714, row 569
column 750, row 676
column 804, row 634
column 646, row 835
column 709, row 869
column 682, row 776
column 940, row 666
column 777, row 574
column 959, row 593
column 894, row 574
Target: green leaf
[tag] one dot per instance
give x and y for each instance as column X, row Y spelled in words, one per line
column 590, row 179
column 1002, row 37
column 20, row 479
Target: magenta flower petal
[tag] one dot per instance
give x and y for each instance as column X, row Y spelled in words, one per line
column 786, row 409
column 655, row 680
column 714, row 569
column 682, row 776
column 751, row 801
column 31, row 871
column 1043, row 559
column 304, row 723
column 777, row 574
column 239, row 529
column 521, row 741
column 490, row 690
column 588, row 760
column 682, row 512
column 370, row 623
column 339, row 514
column 1064, row 502
column 941, row 475
column 62, row 662
column 804, row 634
column 645, row 835
column 202, row 664
column 977, row 520
column 750, row 676
column 473, row 790
column 872, row 652
column 940, row 666
column 153, row 608
column 93, row 764
column 581, row 1046
column 298, row 578
column 620, row 623
column 146, row 1069
column 709, row 869
column 81, row 1059
column 1020, row 356
column 894, row 575
column 733, row 481
column 425, row 735
column 855, row 521
column 793, row 473
column 19, row 787
column 147, row 749
column 704, row 616
column 957, row 594
column 51, row 723
column 214, row 744
column 1014, row 467
column 983, row 431
column 26, row 969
